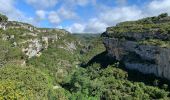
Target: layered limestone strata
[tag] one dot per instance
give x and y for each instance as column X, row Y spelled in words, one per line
column 142, row 45
column 144, row 58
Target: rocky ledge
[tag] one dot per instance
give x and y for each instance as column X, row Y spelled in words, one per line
column 33, row 40
column 142, row 45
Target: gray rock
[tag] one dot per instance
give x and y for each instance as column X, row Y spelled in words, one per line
column 150, row 59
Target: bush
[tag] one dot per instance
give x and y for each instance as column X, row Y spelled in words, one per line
column 28, row 80
column 13, row 90
column 163, row 15
column 3, row 18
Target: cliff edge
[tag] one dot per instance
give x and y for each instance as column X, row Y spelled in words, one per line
column 142, row 45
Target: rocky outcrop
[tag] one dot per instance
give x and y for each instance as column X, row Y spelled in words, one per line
column 33, row 48
column 70, row 47
column 30, row 39
column 31, row 28
column 3, row 25
column 146, row 58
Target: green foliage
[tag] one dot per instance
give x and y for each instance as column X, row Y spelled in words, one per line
column 18, row 34
column 92, row 47
column 58, row 62
column 22, row 81
column 163, row 15
column 114, row 71
column 9, row 53
column 111, row 83
column 13, row 90
column 91, row 83
column 156, row 42
column 3, row 18
column 147, row 26
column 56, row 74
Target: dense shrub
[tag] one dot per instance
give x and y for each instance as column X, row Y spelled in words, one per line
column 9, row 53
column 13, row 90
column 163, row 15
column 23, row 82
column 157, row 25
column 3, row 18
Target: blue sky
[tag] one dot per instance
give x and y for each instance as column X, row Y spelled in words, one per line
column 81, row 16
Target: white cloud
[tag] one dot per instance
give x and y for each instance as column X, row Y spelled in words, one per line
column 41, row 14
column 111, row 16
column 79, row 2
column 121, row 2
column 6, row 5
column 76, row 28
column 42, row 4
column 95, row 26
column 59, row 27
column 54, row 18
column 66, row 13
column 108, row 17
column 159, row 6
column 104, row 15
column 45, row 4
column 83, row 2
column 8, row 8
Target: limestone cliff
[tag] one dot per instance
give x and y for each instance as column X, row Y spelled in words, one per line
column 142, row 45
column 33, row 40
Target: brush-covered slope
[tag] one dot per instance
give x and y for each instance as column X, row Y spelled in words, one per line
column 34, row 60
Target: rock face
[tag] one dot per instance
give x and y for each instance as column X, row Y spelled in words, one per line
column 146, row 58
column 3, row 25
column 30, row 39
column 33, row 49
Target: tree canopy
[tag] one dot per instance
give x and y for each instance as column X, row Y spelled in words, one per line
column 3, row 18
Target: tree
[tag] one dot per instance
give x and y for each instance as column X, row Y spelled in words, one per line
column 3, row 18
column 163, row 15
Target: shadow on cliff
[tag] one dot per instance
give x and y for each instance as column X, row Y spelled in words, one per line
column 149, row 79
column 101, row 59
column 135, row 76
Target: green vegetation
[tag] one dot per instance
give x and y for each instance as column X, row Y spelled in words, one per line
column 73, row 67
column 58, row 62
column 155, row 42
column 93, row 81
column 151, row 27
column 9, row 53
column 3, row 18
column 147, row 31
column 110, row 84
column 23, row 82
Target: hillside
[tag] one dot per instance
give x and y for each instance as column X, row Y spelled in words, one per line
column 52, row 64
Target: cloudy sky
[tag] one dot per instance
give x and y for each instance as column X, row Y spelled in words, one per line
column 81, row 16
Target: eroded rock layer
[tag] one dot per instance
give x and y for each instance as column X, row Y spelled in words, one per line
column 141, row 45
